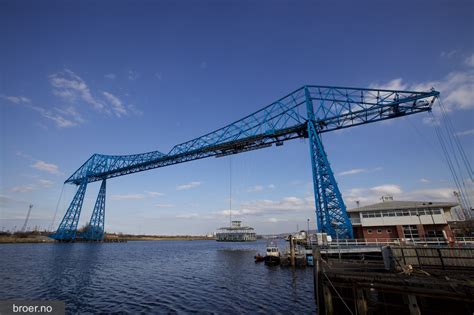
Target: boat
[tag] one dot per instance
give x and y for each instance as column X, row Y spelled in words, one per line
column 236, row 233
column 259, row 258
column 272, row 257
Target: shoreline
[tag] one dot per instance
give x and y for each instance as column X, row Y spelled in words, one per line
column 41, row 239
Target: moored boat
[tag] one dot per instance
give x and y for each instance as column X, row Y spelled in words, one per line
column 272, row 257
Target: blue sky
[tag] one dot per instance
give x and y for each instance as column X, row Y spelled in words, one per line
column 123, row 77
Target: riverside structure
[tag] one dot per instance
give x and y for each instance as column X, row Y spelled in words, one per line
column 236, row 233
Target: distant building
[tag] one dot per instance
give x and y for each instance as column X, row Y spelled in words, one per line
column 402, row 219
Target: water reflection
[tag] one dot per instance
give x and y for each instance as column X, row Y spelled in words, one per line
column 154, row 277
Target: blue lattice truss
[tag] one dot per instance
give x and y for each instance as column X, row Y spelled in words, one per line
column 305, row 113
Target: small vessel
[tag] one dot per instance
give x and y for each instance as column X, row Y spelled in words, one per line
column 272, row 257
column 259, row 258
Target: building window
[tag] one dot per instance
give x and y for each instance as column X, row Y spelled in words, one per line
column 410, row 231
column 389, row 231
column 369, row 231
column 379, row 231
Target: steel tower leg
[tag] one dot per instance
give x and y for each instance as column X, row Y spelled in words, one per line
column 68, row 228
column 95, row 230
column 331, row 214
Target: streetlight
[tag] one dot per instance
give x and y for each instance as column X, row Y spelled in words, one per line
column 308, row 226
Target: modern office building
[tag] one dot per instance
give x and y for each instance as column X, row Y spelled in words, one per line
column 406, row 220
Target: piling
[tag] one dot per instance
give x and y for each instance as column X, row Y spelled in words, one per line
column 292, row 250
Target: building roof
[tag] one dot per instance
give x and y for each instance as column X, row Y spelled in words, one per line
column 397, row 205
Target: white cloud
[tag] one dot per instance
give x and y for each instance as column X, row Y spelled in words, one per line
column 40, row 183
column 164, row 205
column 285, row 205
column 255, row 188
column 259, row 188
column 16, row 99
column 395, row 84
column 188, row 186
column 387, row 189
column 359, row 171
column 69, row 86
column 275, row 220
column 45, row 183
column 456, row 88
column 110, row 76
column 47, row 167
column 435, row 194
column 449, row 54
column 153, row 193
column 353, row 172
column 187, row 215
column 133, row 75
column 117, row 107
column 465, row 132
column 424, row 180
column 203, row 65
column 128, row 197
column 23, row 188
column 470, row 60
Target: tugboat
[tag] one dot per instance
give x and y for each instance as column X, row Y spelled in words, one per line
column 272, row 257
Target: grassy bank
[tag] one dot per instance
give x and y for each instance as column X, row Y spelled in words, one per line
column 42, row 237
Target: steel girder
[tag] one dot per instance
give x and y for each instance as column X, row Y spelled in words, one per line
column 334, row 108
column 68, row 227
column 306, row 112
column 331, row 214
column 95, row 230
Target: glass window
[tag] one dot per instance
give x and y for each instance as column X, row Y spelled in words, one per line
column 410, row 231
column 369, row 231
column 398, row 213
column 389, row 231
column 379, row 231
column 406, row 213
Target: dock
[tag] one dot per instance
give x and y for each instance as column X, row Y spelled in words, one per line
column 394, row 279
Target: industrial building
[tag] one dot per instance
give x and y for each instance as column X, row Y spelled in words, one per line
column 405, row 220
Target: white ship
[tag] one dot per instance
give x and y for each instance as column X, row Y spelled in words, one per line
column 236, row 233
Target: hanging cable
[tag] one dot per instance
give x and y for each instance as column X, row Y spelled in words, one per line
column 57, row 207
column 230, row 190
column 456, row 140
column 436, row 124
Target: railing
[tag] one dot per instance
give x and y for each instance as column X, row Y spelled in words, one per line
column 396, row 241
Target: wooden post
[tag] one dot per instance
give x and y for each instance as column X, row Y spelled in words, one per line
column 413, row 305
column 318, row 286
column 328, row 300
column 292, row 251
column 361, row 302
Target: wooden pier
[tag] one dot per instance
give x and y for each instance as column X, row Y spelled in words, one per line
column 395, row 280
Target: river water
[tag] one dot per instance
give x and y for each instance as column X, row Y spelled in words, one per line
column 158, row 277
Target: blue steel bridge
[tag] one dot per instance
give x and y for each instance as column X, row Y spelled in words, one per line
column 306, row 112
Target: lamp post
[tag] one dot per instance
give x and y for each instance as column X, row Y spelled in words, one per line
column 307, row 234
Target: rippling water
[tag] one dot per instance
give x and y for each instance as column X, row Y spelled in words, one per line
column 154, row 277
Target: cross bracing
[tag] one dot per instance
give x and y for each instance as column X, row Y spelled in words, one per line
column 305, row 113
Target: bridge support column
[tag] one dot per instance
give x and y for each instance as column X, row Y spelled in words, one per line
column 331, row 214
column 68, row 227
column 95, row 231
